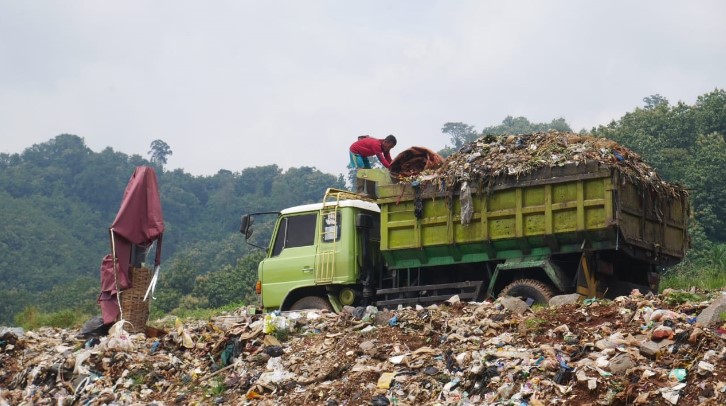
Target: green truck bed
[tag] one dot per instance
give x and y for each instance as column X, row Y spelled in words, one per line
column 549, row 211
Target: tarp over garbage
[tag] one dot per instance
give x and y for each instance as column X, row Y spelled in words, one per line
column 635, row 350
column 415, row 160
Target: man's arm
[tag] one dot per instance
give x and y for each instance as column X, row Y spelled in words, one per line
column 385, row 158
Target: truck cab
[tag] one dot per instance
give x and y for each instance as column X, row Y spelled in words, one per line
column 316, row 257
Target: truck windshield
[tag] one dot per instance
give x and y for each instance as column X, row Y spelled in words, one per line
column 295, row 231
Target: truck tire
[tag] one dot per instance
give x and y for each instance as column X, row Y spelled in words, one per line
column 312, row 302
column 539, row 292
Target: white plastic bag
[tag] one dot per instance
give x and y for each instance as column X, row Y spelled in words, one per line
column 81, row 357
column 467, row 206
column 118, row 338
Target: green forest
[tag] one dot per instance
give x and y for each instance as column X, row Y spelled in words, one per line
column 58, row 199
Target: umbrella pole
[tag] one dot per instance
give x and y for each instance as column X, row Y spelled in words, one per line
column 115, row 273
column 152, row 284
column 157, row 265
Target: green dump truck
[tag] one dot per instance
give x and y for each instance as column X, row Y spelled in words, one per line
column 587, row 228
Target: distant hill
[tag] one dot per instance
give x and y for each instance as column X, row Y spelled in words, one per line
column 58, row 199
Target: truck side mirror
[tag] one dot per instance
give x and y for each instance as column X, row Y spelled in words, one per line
column 363, row 221
column 246, row 226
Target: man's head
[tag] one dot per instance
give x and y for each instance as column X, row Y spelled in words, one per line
column 389, row 142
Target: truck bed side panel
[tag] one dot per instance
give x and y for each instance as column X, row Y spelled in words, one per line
column 548, row 212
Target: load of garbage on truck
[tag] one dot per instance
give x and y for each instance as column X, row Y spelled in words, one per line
column 491, row 157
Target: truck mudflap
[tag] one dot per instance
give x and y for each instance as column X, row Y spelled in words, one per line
column 427, row 294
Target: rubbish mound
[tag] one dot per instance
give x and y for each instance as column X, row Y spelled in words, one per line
column 490, row 157
column 635, row 350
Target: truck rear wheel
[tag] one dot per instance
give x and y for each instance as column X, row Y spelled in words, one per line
column 312, row 302
column 531, row 291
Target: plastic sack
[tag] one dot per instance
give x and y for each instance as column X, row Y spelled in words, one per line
column 81, row 357
column 183, row 335
column 274, row 323
column 467, row 206
column 118, row 338
column 269, row 326
column 275, row 372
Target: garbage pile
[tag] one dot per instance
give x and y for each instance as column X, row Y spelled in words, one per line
column 635, row 350
column 490, row 157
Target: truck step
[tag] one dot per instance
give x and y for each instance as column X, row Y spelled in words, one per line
column 466, row 291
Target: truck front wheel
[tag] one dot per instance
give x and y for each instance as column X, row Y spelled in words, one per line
column 531, row 291
column 312, row 302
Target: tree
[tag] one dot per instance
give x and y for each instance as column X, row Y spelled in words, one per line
column 177, row 278
column 662, row 134
column 230, row 284
column 654, row 101
column 521, row 125
column 302, row 185
column 559, row 124
column 685, row 144
column 459, row 133
column 7, row 160
column 66, row 150
column 159, row 151
column 102, row 181
column 703, row 175
column 257, row 180
column 710, row 113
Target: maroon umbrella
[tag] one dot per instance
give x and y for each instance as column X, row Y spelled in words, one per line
column 139, row 222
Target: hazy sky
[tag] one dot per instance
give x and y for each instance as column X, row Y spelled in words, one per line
column 236, row 84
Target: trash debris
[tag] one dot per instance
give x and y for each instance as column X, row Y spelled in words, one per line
column 380, row 400
column 704, row 368
column 489, row 157
column 384, row 381
column 678, row 374
column 454, row 353
column 94, row 328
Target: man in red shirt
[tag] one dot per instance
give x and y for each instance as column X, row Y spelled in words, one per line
column 368, row 146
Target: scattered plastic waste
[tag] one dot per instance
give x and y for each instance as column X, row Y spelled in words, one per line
column 678, row 374
column 384, row 381
column 454, row 353
column 380, row 400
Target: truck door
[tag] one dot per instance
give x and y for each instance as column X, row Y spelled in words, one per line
column 292, row 260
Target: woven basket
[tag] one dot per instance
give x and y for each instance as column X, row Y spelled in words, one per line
column 135, row 309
